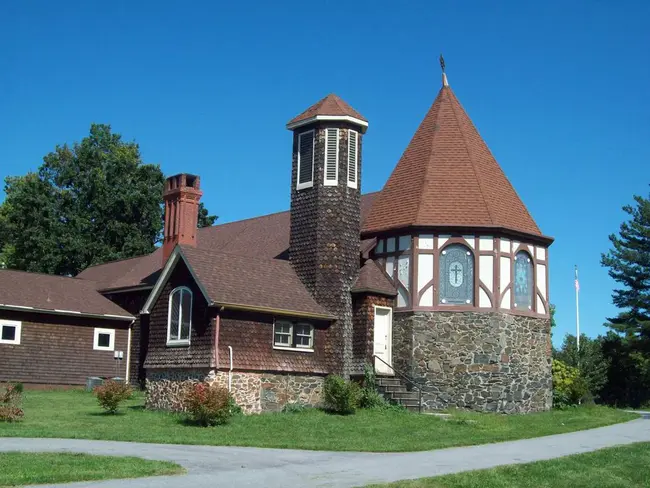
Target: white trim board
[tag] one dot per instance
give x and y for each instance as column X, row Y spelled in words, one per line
column 317, row 118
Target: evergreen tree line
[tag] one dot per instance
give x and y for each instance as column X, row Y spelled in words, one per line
column 88, row 203
column 616, row 366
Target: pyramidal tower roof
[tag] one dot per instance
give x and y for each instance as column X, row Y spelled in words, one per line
column 447, row 177
column 332, row 107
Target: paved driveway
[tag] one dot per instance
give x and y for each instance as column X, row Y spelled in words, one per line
column 273, row 468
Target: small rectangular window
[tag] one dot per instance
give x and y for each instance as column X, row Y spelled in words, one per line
column 353, row 158
column 304, row 336
column 104, row 340
column 10, row 332
column 305, row 160
column 283, row 334
column 331, row 157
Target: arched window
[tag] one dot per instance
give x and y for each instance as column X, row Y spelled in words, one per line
column 523, row 281
column 456, row 275
column 179, row 321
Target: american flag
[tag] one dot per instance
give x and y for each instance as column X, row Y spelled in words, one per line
column 577, row 283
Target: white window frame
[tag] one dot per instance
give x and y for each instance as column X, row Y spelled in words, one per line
column 111, row 342
column 292, row 346
column 335, row 181
column 310, row 335
column 11, row 323
column 355, row 183
column 179, row 342
column 310, row 183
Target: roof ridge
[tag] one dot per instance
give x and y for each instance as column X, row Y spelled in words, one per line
column 469, row 155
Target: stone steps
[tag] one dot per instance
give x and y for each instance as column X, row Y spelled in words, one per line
column 395, row 390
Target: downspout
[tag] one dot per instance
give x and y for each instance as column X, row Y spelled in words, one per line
column 215, row 353
column 127, row 379
column 230, row 370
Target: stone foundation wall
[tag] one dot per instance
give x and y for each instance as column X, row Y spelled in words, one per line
column 253, row 392
column 480, row 361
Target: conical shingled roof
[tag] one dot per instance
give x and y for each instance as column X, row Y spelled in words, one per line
column 332, row 105
column 447, row 177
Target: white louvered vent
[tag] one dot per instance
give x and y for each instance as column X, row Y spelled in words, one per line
column 331, row 157
column 305, row 160
column 353, row 158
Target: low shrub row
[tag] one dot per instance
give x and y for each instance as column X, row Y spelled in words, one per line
column 10, row 401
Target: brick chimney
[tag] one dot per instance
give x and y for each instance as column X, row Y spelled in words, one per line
column 181, row 197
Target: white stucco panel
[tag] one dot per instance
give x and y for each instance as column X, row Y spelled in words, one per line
column 427, row 298
column 425, row 270
column 530, row 250
column 486, row 243
column 470, row 241
column 425, row 241
column 390, row 265
column 505, row 303
column 504, row 269
column 483, row 299
column 401, row 298
column 541, row 253
column 540, row 305
column 541, row 279
column 486, row 271
column 505, row 245
column 442, row 240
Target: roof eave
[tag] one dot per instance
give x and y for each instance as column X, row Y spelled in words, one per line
column 272, row 310
column 328, row 118
column 70, row 313
column 367, row 289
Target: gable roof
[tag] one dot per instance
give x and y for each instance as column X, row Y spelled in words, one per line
column 35, row 292
column 372, row 279
column 331, row 107
column 243, row 283
column 447, row 177
column 263, row 237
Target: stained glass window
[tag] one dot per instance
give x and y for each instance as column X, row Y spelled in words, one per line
column 456, row 275
column 523, row 281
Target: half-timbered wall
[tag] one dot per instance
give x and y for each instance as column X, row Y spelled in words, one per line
column 413, row 263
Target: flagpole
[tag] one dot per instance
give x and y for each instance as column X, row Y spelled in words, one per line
column 577, row 285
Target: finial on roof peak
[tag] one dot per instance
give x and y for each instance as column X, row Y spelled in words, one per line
column 444, row 75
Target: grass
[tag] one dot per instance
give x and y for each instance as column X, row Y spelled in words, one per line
column 617, row 467
column 75, row 414
column 22, row 468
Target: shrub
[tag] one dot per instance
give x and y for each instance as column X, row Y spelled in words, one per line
column 569, row 388
column 294, row 407
column 208, row 404
column 370, row 398
column 340, row 396
column 111, row 394
column 234, row 408
column 10, row 400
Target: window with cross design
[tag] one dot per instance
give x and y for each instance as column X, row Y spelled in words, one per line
column 456, row 276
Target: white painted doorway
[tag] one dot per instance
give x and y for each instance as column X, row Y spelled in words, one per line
column 383, row 338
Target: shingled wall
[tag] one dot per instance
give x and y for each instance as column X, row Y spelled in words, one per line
column 324, row 243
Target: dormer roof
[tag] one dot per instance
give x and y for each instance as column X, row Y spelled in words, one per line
column 332, row 107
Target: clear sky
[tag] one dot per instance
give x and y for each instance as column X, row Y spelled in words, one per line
column 559, row 90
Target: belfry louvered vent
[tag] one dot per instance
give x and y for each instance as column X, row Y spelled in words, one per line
column 331, row 157
column 353, row 166
column 305, row 160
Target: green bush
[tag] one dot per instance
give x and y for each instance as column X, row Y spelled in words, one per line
column 294, row 407
column 111, row 394
column 569, row 388
column 370, row 398
column 208, row 404
column 340, row 396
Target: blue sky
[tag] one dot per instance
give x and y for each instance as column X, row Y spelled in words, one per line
column 559, row 90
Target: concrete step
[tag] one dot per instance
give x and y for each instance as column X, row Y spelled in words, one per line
column 393, row 388
column 386, row 381
column 408, row 395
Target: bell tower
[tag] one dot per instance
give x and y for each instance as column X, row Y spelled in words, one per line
column 326, row 211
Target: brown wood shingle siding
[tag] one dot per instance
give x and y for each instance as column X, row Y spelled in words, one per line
column 58, row 350
column 251, row 337
column 200, row 351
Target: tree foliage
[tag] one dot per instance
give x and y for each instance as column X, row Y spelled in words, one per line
column 627, row 346
column 589, row 361
column 205, row 220
column 88, row 203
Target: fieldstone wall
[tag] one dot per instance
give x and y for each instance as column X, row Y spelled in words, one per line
column 253, row 392
column 485, row 361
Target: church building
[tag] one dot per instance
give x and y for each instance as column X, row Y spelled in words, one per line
column 439, row 280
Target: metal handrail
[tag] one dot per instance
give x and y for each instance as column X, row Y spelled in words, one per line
column 403, row 376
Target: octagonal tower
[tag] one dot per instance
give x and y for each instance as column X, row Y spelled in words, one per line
column 470, row 264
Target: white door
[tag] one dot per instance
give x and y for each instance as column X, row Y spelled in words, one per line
column 383, row 338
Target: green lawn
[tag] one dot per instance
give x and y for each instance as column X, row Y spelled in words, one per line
column 618, row 467
column 75, row 414
column 22, row 468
